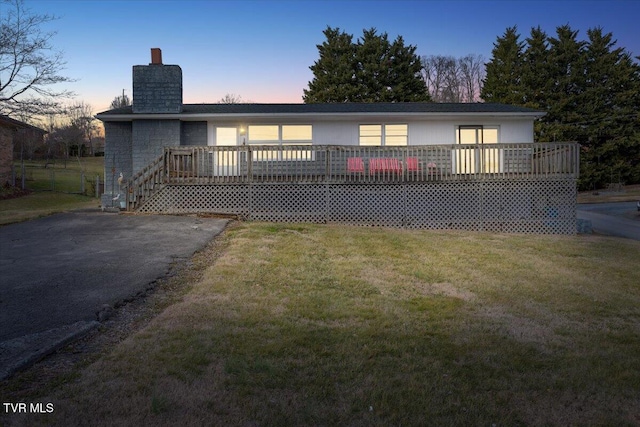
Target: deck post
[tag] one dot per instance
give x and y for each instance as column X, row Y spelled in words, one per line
column 249, row 163
column 327, row 163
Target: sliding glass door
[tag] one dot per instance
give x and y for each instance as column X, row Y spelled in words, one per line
column 474, row 153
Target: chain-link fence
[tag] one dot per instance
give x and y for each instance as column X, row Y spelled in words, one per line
column 58, row 178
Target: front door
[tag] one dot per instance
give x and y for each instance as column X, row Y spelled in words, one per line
column 225, row 159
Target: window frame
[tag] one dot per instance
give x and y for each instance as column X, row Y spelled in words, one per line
column 282, row 141
column 483, row 160
column 384, row 136
column 480, row 132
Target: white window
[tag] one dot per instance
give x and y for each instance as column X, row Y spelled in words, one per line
column 395, row 135
column 477, row 135
column 283, row 136
column 370, row 134
column 297, row 133
column 263, row 134
column 280, row 134
column 391, row 135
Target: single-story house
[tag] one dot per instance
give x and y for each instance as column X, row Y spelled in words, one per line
column 332, row 162
column 9, row 128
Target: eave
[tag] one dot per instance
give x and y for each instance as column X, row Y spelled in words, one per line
column 431, row 116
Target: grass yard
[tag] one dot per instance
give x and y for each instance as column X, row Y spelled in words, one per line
column 66, row 178
column 336, row 325
column 62, row 175
column 36, row 205
column 629, row 193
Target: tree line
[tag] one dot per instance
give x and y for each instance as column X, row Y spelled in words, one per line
column 590, row 90
column 371, row 69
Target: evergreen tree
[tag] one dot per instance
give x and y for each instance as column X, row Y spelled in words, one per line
column 536, row 82
column 373, row 59
column 609, row 105
column 535, row 79
column 566, row 72
column 589, row 89
column 502, row 82
column 405, row 74
column 334, row 72
column 371, row 70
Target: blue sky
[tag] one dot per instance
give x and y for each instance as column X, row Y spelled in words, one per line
column 262, row 50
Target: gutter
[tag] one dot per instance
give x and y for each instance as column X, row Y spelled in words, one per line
column 316, row 116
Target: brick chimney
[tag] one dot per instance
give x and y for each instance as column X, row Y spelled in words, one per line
column 156, row 56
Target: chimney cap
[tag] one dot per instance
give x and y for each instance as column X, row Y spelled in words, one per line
column 156, row 56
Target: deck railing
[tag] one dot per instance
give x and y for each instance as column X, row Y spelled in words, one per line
column 343, row 164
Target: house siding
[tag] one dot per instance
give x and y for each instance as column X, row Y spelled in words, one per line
column 194, row 133
column 117, row 158
column 420, row 132
column 149, row 139
column 516, row 131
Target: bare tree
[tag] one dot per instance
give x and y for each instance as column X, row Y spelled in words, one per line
column 471, row 69
column 71, row 129
column 120, row 101
column 81, row 119
column 451, row 79
column 435, row 69
column 231, row 98
column 29, row 66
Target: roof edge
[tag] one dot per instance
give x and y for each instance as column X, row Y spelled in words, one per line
column 204, row 111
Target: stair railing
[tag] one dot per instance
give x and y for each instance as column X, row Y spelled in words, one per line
column 146, row 183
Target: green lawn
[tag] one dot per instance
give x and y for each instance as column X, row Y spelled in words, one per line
column 64, row 178
column 628, row 193
column 334, row 325
column 62, row 175
column 39, row 204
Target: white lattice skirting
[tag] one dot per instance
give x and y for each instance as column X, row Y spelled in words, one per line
column 542, row 207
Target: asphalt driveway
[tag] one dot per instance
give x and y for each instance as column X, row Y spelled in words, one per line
column 620, row 219
column 57, row 272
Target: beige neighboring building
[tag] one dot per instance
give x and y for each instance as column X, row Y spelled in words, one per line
column 8, row 129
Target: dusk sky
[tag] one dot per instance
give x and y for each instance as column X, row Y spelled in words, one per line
column 262, row 50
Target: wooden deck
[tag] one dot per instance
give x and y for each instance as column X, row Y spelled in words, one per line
column 368, row 164
column 336, row 164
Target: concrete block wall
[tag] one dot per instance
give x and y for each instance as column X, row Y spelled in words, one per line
column 117, row 159
column 157, row 88
column 149, row 139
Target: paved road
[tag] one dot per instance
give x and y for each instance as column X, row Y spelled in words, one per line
column 57, row 271
column 620, row 219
